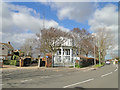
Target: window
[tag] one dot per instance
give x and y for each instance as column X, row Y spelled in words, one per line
column 9, row 52
column 66, row 51
column 2, row 48
column 59, row 59
column 66, row 59
column 59, row 52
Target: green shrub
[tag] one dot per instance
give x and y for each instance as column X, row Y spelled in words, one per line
column 6, row 62
column 98, row 65
column 13, row 62
column 103, row 63
column 10, row 62
column 78, row 66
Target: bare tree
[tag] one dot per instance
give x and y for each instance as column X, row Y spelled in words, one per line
column 27, row 47
column 51, row 39
column 83, row 41
column 104, row 42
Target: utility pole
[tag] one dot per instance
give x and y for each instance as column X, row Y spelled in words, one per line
column 99, row 52
column 94, row 56
column 40, row 34
column 94, row 40
column 43, row 20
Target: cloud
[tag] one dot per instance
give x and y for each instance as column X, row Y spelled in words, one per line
column 106, row 17
column 79, row 11
column 16, row 39
column 20, row 22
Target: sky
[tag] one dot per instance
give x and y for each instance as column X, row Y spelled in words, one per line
column 21, row 20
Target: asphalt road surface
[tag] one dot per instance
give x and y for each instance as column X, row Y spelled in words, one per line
column 104, row 77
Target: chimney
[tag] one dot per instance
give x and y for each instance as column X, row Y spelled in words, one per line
column 8, row 42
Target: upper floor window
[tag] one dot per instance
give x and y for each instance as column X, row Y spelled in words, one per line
column 66, row 51
column 9, row 52
column 2, row 48
column 59, row 52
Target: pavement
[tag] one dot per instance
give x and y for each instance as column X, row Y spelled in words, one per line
column 104, row 77
column 11, row 67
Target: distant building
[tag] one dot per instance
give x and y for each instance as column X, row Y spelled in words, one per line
column 6, row 51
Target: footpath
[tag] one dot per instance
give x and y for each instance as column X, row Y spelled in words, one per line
column 11, row 67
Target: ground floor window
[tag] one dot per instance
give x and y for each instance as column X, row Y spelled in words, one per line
column 66, row 58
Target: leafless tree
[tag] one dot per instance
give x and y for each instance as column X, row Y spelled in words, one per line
column 27, row 47
column 104, row 42
column 83, row 41
column 51, row 39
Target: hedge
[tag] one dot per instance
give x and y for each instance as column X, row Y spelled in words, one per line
column 11, row 62
column 6, row 62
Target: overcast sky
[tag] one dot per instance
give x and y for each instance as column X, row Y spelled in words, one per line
column 22, row 20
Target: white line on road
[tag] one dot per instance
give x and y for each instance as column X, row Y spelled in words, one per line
column 2, row 84
column 7, row 74
column 116, row 69
column 45, row 77
column 79, row 83
column 106, row 74
column 26, row 80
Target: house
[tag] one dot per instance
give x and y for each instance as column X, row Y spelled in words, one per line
column 6, row 51
column 65, row 54
column 87, row 61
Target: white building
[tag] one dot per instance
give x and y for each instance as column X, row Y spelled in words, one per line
column 65, row 54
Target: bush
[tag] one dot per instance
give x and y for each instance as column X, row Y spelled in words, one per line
column 103, row 63
column 13, row 62
column 98, row 65
column 6, row 62
column 78, row 66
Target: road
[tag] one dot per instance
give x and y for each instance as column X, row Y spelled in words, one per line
column 104, row 77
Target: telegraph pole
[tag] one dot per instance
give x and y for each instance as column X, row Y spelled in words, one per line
column 99, row 52
column 94, row 56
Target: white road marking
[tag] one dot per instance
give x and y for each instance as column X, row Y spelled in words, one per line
column 106, row 74
column 7, row 74
column 79, row 83
column 2, row 84
column 116, row 69
column 26, row 80
column 45, row 77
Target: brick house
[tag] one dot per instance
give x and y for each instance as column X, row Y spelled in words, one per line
column 6, row 51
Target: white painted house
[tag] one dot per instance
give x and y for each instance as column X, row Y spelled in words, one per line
column 65, row 55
